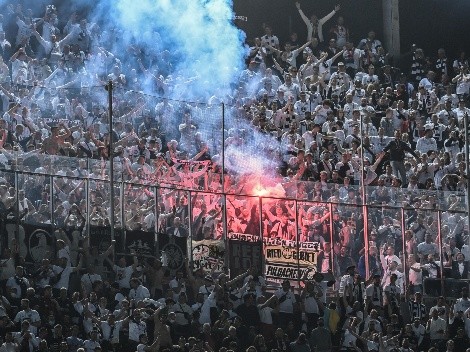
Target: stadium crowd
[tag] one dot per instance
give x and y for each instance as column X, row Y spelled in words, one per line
column 332, row 115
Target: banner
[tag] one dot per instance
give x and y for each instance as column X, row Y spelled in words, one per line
column 243, row 237
column 38, row 241
column 289, row 255
column 293, row 244
column 282, row 272
column 100, row 236
column 143, row 243
column 287, row 259
column 208, row 254
column 66, row 122
column 173, row 250
column 244, row 255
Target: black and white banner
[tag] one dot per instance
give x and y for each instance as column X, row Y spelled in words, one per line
column 39, row 242
column 208, row 255
column 244, row 255
column 289, row 272
column 173, row 250
column 244, row 237
column 143, row 243
column 100, row 236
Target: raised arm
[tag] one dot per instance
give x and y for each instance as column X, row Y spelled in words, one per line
column 278, row 67
column 189, row 271
column 299, row 50
column 377, row 161
column 323, row 57
column 135, row 261
column 46, row 45
column 8, row 94
column 203, row 150
column 269, row 214
column 237, row 278
column 357, row 336
column 302, row 15
column 79, row 265
column 325, row 19
column 276, row 50
column 271, row 299
column 110, row 249
column 337, row 55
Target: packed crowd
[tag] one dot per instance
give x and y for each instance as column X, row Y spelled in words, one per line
column 332, row 116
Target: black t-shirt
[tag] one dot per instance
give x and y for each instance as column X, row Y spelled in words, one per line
column 249, row 314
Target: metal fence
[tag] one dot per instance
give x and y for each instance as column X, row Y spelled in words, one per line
column 284, row 238
column 236, row 214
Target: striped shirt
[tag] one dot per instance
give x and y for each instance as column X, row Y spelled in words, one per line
column 417, row 309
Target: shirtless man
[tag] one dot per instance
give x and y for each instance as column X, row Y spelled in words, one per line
column 161, row 329
column 56, row 140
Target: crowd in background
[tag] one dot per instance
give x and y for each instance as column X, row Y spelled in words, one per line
column 330, row 116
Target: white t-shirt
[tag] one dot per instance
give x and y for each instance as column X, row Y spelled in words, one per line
column 311, row 305
column 370, row 79
column 416, row 277
column 180, row 310
column 111, row 334
column 463, row 85
column 205, row 316
column 87, row 281
column 90, row 345
column 33, row 341
column 12, row 284
column 31, row 315
column 349, row 340
column 432, row 269
column 346, row 280
column 64, row 253
column 265, row 314
column 139, row 293
column 174, row 284
column 123, row 275
column 419, row 332
column 206, row 290
column 136, row 329
column 64, row 275
column 461, row 304
column 435, row 327
column 287, row 306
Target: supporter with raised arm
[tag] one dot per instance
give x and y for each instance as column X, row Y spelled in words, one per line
column 289, row 56
column 62, row 273
column 315, row 25
column 124, row 272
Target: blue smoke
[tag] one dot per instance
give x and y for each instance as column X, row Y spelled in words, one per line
column 205, row 49
column 194, row 46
